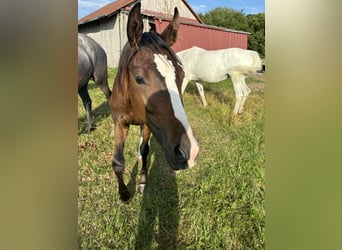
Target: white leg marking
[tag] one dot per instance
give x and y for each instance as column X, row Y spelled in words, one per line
column 141, row 188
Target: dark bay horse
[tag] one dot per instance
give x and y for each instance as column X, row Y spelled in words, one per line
column 147, row 92
column 92, row 64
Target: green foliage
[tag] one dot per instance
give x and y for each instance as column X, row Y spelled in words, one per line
column 217, row 204
column 237, row 20
column 226, row 17
column 256, row 26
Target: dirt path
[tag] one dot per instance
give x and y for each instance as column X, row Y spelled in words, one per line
column 258, row 86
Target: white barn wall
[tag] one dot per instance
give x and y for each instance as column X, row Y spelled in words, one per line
column 167, row 7
column 106, row 32
column 111, row 34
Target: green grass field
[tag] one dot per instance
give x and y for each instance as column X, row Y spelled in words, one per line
column 218, row 204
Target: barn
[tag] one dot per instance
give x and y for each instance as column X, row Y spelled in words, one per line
column 107, row 26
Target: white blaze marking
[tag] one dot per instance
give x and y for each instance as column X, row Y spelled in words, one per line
column 167, row 70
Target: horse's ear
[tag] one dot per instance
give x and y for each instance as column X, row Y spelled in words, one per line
column 134, row 26
column 169, row 35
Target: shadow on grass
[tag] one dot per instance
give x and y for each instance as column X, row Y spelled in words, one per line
column 132, row 184
column 159, row 215
column 222, row 97
column 98, row 114
column 219, row 95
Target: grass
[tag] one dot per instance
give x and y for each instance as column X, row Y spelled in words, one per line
column 218, row 204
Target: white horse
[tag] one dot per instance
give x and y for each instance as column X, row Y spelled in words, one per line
column 215, row 65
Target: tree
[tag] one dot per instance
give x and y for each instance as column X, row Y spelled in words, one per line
column 256, row 26
column 226, row 17
column 237, row 20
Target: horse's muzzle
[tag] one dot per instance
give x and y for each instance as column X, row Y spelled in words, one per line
column 181, row 155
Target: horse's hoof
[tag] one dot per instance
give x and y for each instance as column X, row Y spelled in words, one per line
column 125, row 196
column 88, row 130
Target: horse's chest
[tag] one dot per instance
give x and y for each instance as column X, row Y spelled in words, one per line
column 134, row 118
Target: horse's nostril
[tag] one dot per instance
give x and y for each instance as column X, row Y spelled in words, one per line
column 180, row 154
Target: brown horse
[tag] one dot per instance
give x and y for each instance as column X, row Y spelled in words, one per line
column 147, row 92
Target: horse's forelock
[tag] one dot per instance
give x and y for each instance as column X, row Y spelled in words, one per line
column 151, row 40
column 154, row 41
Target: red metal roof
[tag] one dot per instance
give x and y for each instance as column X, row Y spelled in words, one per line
column 187, row 21
column 106, row 10
column 117, row 5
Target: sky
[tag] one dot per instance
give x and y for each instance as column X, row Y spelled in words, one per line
column 200, row 6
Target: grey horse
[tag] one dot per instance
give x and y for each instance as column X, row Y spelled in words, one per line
column 92, row 64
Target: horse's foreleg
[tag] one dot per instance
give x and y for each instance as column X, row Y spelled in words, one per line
column 241, row 92
column 142, row 154
column 201, row 92
column 245, row 93
column 118, row 162
column 242, row 102
column 184, row 84
column 237, row 105
column 83, row 92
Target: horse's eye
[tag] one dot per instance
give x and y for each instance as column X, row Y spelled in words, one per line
column 139, row 79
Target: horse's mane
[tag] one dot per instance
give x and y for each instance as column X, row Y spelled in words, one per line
column 151, row 40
